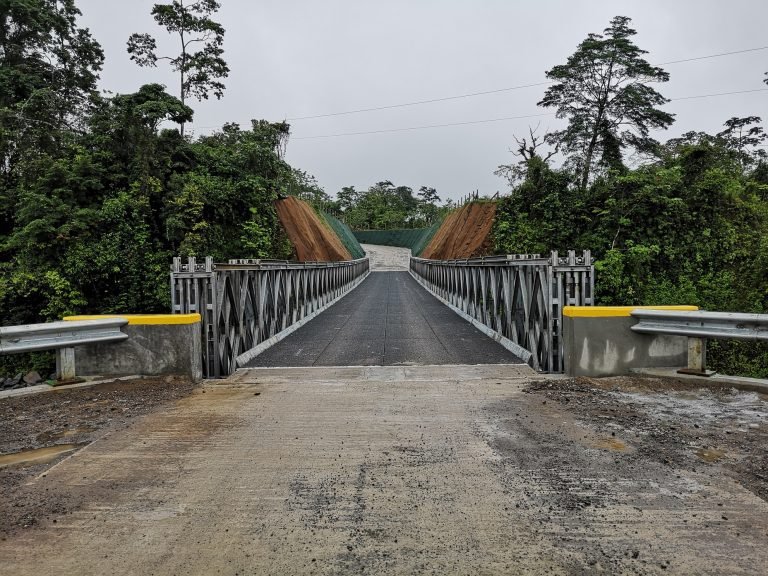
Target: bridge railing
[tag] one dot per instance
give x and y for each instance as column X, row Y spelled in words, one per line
column 519, row 298
column 244, row 303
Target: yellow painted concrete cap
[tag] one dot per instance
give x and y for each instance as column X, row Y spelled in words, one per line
column 144, row 319
column 616, row 311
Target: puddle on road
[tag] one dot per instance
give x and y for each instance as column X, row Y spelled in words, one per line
column 50, row 436
column 710, row 454
column 611, row 444
column 36, row 456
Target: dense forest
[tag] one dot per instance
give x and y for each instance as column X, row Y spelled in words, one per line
column 98, row 192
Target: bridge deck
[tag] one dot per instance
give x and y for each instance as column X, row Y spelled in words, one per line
column 388, row 320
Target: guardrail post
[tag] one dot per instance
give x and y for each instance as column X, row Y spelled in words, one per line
column 65, row 364
column 697, row 358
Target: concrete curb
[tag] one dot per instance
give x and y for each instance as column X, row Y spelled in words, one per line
column 516, row 349
column 714, row 381
column 246, row 357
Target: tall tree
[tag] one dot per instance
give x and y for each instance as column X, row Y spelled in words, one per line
column 48, row 65
column 744, row 136
column 347, row 197
column 603, row 90
column 428, row 204
column 200, row 71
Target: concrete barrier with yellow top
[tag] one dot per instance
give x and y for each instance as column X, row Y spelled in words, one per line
column 157, row 344
column 599, row 341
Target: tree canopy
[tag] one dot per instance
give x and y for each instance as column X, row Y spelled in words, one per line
column 385, row 206
column 603, row 91
column 200, row 70
column 96, row 196
column 690, row 227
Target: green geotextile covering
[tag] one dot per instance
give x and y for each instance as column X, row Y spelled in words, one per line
column 416, row 239
column 345, row 235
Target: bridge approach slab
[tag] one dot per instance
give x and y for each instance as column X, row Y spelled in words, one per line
column 390, row 470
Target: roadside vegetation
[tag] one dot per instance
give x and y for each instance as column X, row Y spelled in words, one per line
column 385, row 206
column 678, row 222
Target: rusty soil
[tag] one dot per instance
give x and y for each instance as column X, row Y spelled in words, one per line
column 312, row 239
column 465, row 233
column 399, row 470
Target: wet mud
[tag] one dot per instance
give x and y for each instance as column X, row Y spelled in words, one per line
column 38, row 431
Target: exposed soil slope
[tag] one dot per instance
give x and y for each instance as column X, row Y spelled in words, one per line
column 465, row 233
column 312, row 239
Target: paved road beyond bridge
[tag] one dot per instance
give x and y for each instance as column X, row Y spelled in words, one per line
column 388, row 320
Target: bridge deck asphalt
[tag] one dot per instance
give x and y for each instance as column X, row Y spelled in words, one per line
column 388, row 320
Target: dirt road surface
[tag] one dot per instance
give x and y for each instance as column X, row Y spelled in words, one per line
column 39, row 430
column 414, row 470
column 387, row 258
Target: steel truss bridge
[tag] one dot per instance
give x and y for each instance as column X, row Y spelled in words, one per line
column 248, row 305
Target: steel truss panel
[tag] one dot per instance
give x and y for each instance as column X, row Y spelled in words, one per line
column 245, row 302
column 520, row 297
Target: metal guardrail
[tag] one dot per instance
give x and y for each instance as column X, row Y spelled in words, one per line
column 519, row 297
column 62, row 337
column 698, row 327
column 700, row 324
column 245, row 302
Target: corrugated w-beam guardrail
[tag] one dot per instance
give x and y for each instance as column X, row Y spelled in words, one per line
column 247, row 305
column 62, row 337
column 698, row 327
column 517, row 298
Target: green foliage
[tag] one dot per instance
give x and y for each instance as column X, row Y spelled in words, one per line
column 200, row 71
column 48, row 72
column 21, row 292
column 385, row 206
column 90, row 218
column 256, row 237
column 96, row 222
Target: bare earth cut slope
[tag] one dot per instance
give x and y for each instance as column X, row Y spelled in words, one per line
column 465, row 233
column 312, row 239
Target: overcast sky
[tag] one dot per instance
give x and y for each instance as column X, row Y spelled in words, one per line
column 291, row 58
